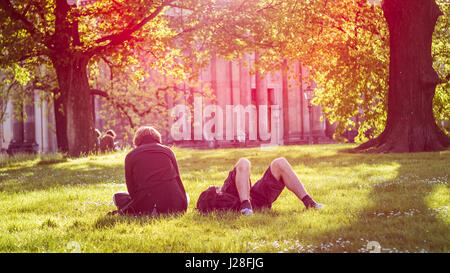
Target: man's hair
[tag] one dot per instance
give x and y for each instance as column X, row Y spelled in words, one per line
column 145, row 134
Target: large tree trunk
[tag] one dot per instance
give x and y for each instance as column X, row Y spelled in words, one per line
column 71, row 71
column 77, row 103
column 59, row 102
column 410, row 125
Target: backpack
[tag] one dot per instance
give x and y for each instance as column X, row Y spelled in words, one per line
column 210, row 200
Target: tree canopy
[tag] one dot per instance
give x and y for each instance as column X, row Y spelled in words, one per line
column 345, row 44
column 71, row 39
column 137, row 53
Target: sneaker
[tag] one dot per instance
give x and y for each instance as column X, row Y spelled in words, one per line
column 316, row 206
column 246, row 208
column 246, row 211
column 310, row 203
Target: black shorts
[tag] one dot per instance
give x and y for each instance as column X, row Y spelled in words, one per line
column 265, row 191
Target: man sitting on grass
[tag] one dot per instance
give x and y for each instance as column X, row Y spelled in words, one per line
column 237, row 193
column 152, row 177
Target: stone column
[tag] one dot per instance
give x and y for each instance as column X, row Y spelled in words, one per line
column 221, row 83
column 17, row 126
column 245, row 81
column 24, row 138
column 236, row 99
column 262, row 104
column 7, row 128
column 245, row 99
column 29, row 130
column 319, row 127
column 285, row 94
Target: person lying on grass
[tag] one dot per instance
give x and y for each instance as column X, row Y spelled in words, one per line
column 237, row 193
column 152, row 178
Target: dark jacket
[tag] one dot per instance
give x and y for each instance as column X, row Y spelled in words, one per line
column 152, row 170
column 106, row 143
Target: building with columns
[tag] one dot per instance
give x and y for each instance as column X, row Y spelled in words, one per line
column 33, row 132
column 282, row 109
column 288, row 118
column 285, row 98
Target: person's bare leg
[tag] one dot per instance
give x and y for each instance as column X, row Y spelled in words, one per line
column 281, row 169
column 243, row 179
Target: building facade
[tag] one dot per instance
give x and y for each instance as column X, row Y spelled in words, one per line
column 281, row 102
column 34, row 131
column 284, row 114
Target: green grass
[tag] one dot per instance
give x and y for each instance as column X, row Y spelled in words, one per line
column 55, row 204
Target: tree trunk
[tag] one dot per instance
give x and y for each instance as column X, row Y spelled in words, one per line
column 60, row 120
column 410, row 125
column 71, row 70
column 76, row 102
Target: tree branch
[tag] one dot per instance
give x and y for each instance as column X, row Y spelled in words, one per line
column 122, row 106
column 119, row 106
column 126, row 34
column 4, row 103
column 18, row 17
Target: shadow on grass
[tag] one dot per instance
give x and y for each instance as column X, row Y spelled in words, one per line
column 59, row 172
column 399, row 217
column 109, row 221
column 398, row 214
column 220, row 219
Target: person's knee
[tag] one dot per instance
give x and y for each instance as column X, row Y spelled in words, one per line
column 243, row 165
column 279, row 164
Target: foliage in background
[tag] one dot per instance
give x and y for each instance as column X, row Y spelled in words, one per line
column 141, row 92
column 441, row 57
column 343, row 44
column 69, row 37
column 18, row 83
column 138, row 62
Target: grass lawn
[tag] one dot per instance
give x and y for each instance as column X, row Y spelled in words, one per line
column 398, row 202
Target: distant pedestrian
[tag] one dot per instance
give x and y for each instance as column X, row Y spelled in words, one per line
column 107, row 141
